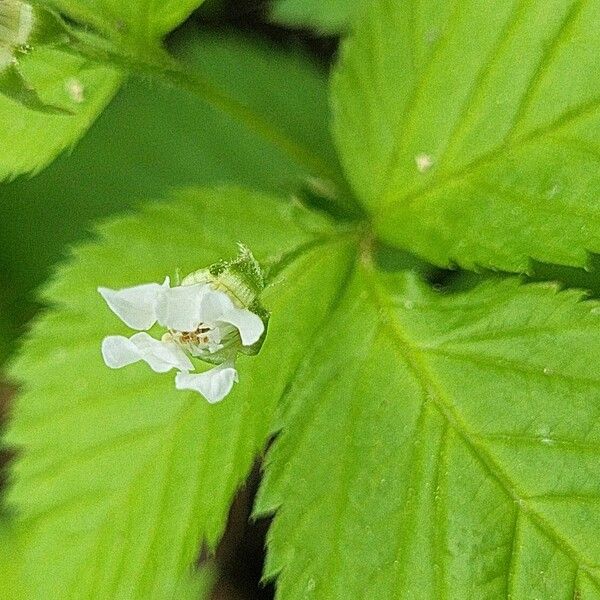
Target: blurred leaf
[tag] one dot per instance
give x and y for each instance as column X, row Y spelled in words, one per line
column 196, row 585
column 154, row 137
column 30, row 139
column 328, row 17
column 136, row 22
column 128, row 503
column 469, row 130
column 282, row 86
column 11, row 580
column 441, row 446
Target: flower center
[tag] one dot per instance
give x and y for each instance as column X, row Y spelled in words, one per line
column 205, row 339
column 198, row 337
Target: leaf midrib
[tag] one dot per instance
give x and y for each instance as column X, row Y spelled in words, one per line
column 416, row 360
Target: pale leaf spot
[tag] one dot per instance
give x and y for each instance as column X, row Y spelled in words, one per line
column 75, row 89
column 424, row 162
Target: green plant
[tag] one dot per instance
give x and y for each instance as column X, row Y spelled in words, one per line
column 426, row 442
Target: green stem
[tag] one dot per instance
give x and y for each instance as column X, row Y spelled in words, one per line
column 161, row 65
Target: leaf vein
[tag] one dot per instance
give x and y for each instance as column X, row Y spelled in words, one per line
column 415, row 359
column 548, row 57
column 513, row 366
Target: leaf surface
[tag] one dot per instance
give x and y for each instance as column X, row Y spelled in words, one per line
column 441, row 446
column 30, row 140
column 11, row 583
column 121, row 472
column 330, row 18
column 139, row 22
column 469, row 129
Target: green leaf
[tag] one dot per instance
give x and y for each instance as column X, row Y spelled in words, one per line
column 283, row 87
column 469, row 129
column 11, row 582
column 441, row 446
column 31, row 138
column 196, row 586
column 7, row 332
column 136, row 22
column 332, row 17
column 159, row 148
column 121, row 472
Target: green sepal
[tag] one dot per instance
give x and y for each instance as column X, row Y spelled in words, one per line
column 242, row 278
column 216, row 358
column 264, row 314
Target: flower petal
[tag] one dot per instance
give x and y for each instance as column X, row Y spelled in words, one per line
column 178, row 308
column 217, row 306
column 250, row 325
column 214, row 385
column 162, row 356
column 118, row 351
column 135, row 306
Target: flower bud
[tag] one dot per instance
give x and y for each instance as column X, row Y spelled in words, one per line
column 242, row 278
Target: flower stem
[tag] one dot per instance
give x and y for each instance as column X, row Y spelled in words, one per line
column 159, row 64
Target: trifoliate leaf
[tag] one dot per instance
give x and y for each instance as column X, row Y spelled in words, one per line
column 54, row 81
column 120, row 478
column 140, row 147
column 331, row 17
column 441, row 446
column 469, row 130
column 138, row 22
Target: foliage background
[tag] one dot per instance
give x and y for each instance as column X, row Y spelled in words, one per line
column 139, row 148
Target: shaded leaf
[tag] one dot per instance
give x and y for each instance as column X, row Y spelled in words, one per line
column 32, row 137
column 331, row 17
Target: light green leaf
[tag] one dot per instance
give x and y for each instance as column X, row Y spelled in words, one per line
column 121, row 472
column 159, row 148
column 11, row 581
column 31, row 139
column 196, row 586
column 330, row 17
column 469, row 129
column 137, row 22
column 441, row 446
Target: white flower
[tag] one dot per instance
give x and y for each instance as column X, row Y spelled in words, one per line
column 201, row 321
